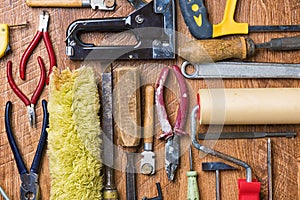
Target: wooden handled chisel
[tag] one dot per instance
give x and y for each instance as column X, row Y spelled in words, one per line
column 94, row 4
column 110, row 191
column 127, row 116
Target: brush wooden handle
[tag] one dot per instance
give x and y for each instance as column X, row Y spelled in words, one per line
column 217, row 49
column 54, row 3
column 127, row 107
column 148, row 117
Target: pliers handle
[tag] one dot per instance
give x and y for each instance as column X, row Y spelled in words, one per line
column 29, row 180
column 38, row 89
column 41, row 33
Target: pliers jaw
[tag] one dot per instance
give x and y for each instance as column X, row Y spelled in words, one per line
column 44, row 20
column 29, row 187
column 31, row 115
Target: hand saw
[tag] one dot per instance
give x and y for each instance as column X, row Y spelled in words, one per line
column 195, row 16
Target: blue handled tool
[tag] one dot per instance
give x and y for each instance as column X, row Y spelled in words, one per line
column 29, row 188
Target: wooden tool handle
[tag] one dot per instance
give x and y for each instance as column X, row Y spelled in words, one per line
column 54, row 3
column 148, row 118
column 127, row 105
column 213, row 50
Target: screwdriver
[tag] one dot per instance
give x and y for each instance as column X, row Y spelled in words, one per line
column 4, row 37
column 200, row 51
column 193, row 191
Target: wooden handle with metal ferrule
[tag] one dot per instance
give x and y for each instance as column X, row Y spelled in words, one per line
column 54, row 3
column 149, row 114
column 200, row 51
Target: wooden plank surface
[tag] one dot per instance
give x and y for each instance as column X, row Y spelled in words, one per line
column 256, row 12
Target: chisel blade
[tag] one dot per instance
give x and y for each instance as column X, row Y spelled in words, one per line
column 242, row 70
column 107, row 119
column 243, row 135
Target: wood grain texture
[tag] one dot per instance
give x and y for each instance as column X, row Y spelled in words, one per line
column 255, row 12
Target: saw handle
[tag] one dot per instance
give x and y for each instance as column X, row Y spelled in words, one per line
column 54, row 3
column 216, row 49
column 149, row 114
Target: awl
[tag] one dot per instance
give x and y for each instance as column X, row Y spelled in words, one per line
column 241, row 70
column 94, row 4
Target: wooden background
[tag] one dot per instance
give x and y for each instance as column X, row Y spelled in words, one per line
column 255, row 12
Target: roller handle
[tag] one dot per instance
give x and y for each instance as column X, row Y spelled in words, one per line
column 54, row 3
column 216, row 49
column 149, row 114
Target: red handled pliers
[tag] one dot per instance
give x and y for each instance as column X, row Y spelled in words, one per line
column 41, row 33
column 29, row 103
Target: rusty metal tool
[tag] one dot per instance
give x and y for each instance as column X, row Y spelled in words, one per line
column 196, row 18
column 217, row 167
column 239, row 47
column 110, row 191
column 269, row 162
column 241, row 70
column 171, row 135
column 152, row 24
column 94, row 4
column 159, row 192
column 248, row 188
column 193, row 191
column 127, row 115
column 148, row 156
column 243, row 135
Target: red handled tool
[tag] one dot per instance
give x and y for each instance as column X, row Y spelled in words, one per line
column 29, row 103
column 41, row 33
column 171, row 135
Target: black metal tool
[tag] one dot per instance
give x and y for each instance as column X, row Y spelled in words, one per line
column 217, row 167
column 152, row 24
column 159, row 192
column 110, row 191
column 29, row 188
column 196, row 18
column 243, row 135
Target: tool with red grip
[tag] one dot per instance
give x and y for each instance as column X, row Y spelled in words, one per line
column 41, row 33
column 29, row 103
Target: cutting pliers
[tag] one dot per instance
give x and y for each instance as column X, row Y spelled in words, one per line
column 41, row 33
column 29, row 189
column 171, row 135
column 29, row 103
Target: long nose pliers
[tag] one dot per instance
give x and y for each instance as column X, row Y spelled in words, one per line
column 30, row 104
column 29, row 189
column 42, row 33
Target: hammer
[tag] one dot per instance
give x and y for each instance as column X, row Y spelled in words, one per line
column 216, row 166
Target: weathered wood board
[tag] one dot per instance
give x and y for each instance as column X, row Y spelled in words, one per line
column 286, row 157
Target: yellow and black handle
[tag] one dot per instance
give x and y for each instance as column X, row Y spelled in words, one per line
column 195, row 16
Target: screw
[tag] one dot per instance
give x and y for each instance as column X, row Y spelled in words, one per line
column 139, row 19
column 159, row 8
column 72, row 43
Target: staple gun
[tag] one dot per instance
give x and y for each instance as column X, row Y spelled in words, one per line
column 153, row 25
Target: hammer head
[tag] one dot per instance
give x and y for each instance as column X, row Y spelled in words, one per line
column 214, row 166
column 148, row 163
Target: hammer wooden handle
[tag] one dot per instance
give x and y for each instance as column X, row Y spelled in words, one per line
column 217, row 49
column 148, row 117
column 54, row 3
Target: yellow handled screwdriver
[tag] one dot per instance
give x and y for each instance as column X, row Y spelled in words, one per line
column 193, row 191
column 4, row 37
